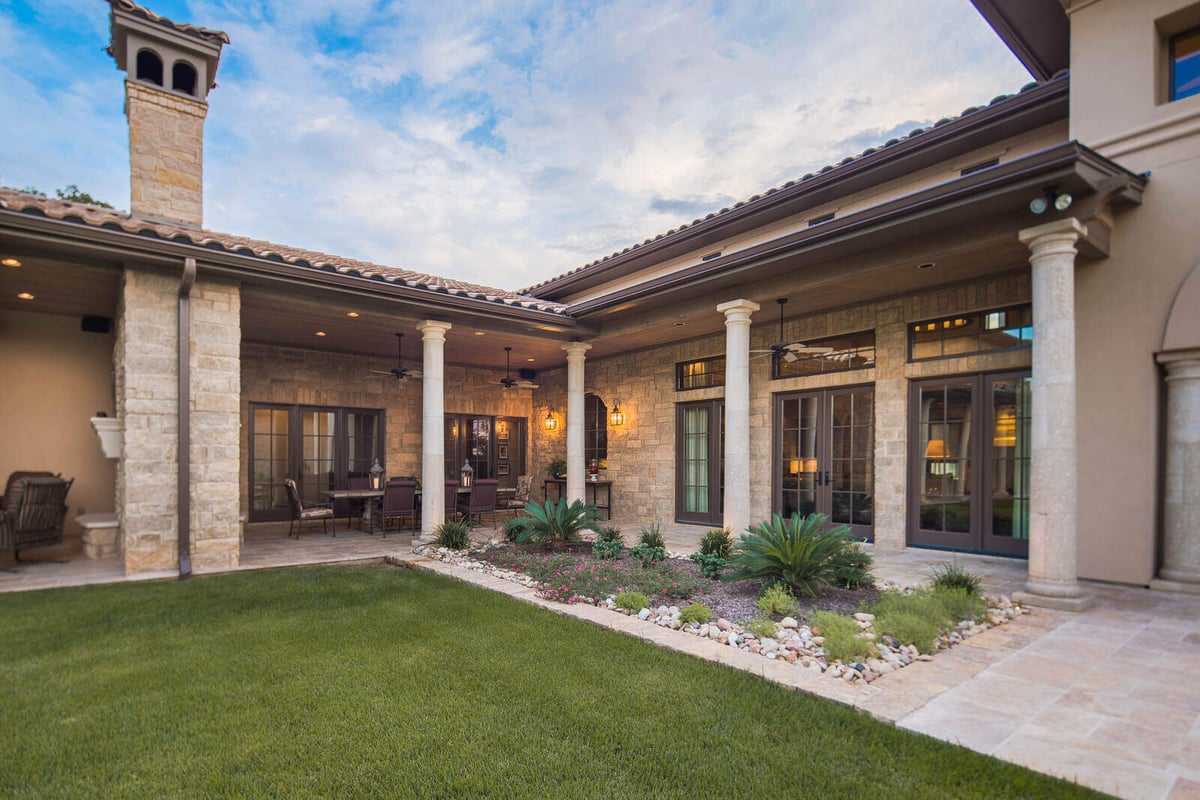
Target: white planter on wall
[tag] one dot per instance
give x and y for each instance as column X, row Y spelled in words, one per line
column 109, row 431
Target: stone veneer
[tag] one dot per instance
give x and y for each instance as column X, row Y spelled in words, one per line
column 641, row 453
column 166, row 153
column 145, row 362
column 291, row 376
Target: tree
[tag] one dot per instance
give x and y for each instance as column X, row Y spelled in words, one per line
column 72, row 193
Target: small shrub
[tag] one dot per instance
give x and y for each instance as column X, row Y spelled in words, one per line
column 955, row 577
column 647, row 554
column 607, row 534
column 694, row 612
column 552, row 522
column 843, row 638
column 960, row 604
column 718, row 542
column 852, row 569
column 776, row 600
column 798, row 551
column 909, row 628
column 652, row 535
column 454, row 535
column 762, row 628
column 711, row 564
column 512, row 527
column 634, row 601
column 607, row 548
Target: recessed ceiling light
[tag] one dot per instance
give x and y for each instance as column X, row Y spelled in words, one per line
column 529, row 359
column 480, row 333
column 321, row 333
column 352, row 314
column 24, row 296
column 926, row 265
column 10, row 262
column 680, row 324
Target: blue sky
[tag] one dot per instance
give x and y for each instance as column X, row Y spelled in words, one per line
column 498, row 142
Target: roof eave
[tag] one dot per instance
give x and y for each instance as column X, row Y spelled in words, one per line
column 1036, row 31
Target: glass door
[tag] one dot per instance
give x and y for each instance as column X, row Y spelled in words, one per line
column 317, row 473
column 270, row 451
column 825, row 456
column 969, row 463
column 700, row 462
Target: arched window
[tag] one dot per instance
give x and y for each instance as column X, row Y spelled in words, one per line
column 149, row 67
column 595, row 430
column 183, row 78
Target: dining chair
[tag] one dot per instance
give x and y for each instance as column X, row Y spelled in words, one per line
column 519, row 498
column 451, row 499
column 302, row 511
column 399, row 501
column 481, row 500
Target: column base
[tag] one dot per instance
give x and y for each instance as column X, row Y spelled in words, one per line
column 1049, row 594
column 1185, row 587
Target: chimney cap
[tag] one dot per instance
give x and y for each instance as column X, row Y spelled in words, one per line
column 130, row 19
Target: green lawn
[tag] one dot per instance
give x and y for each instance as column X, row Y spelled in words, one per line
column 369, row 681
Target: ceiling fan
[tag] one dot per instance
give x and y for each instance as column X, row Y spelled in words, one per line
column 509, row 382
column 400, row 373
column 791, row 351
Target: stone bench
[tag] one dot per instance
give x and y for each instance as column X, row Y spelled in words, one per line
column 101, row 534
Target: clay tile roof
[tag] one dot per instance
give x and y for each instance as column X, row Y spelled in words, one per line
column 96, row 217
column 190, row 30
column 765, row 197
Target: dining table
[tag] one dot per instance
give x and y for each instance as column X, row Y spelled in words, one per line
column 368, row 510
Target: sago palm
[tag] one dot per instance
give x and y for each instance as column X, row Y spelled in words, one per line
column 797, row 551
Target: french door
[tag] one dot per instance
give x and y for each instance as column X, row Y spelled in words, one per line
column 969, row 463
column 825, row 456
column 700, row 462
column 320, row 448
column 493, row 446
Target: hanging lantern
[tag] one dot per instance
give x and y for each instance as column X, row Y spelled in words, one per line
column 550, row 422
column 617, row 416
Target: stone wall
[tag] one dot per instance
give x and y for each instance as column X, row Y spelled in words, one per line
column 166, row 153
column 641, row 453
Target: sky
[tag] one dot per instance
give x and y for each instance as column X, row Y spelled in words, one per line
column 497, row 142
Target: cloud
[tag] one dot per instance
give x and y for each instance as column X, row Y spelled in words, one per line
column 506, row 143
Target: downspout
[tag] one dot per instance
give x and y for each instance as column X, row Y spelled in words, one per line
column 184, row 450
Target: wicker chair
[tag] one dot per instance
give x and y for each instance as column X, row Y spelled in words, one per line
column 302, row 512
column 16, row 476
column 33, row 513
column 520, row 498
column 399, row 501
column 481, row 500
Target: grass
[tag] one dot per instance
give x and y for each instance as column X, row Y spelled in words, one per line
column 357, row 681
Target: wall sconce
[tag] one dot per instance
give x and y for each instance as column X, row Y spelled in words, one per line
column 465, row 475
column 617, row 417
column 550, row 423
column 1051, row 199
column 376, row 473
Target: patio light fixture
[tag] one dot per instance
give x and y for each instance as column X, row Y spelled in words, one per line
column 550, row 423
column 376, row 473
column 465, row 475
column 617, row 417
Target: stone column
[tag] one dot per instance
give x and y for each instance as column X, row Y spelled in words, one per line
column 737, row 413
column 576, row 469
column 433, row 413
column 1053, row 516
column 1180, row 569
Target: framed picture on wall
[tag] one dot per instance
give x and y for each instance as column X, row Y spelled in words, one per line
column 501, row 469
column 502, row 430
column 502, row 452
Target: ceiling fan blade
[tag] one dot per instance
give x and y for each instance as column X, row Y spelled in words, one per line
column 527, row 385
column 380, row 371
column 415, row 374
column 790, row 356
column 813, row 350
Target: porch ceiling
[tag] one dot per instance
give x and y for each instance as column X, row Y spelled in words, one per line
column 58, row 286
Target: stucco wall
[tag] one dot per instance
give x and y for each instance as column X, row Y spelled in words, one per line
column 56, row 378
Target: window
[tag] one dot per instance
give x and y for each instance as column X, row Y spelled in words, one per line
column 595, row 431
column 966, row 334
column 493, row 446
column 1185, row 64
column 700, row 374
column 700, row 462
column 850, row 351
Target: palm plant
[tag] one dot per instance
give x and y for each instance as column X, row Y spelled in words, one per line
column 552, row 522
column 797, row 551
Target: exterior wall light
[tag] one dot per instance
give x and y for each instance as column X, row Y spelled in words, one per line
column 1060, row 202
column 616, row 417
column 550, row 423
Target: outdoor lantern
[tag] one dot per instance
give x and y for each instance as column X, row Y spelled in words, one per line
column 551, row 423
column 376, row 472
column 465, row 474
column 617, row 417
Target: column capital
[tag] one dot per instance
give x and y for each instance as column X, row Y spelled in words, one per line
column 1179, row 361
column 576, row 349
column 1060, row 231
column 738, row 310
column 433, row 328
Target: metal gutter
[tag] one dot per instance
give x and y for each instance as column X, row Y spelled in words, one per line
column 184, row 449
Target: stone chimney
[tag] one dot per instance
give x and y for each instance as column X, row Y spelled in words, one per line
column 170, row 69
